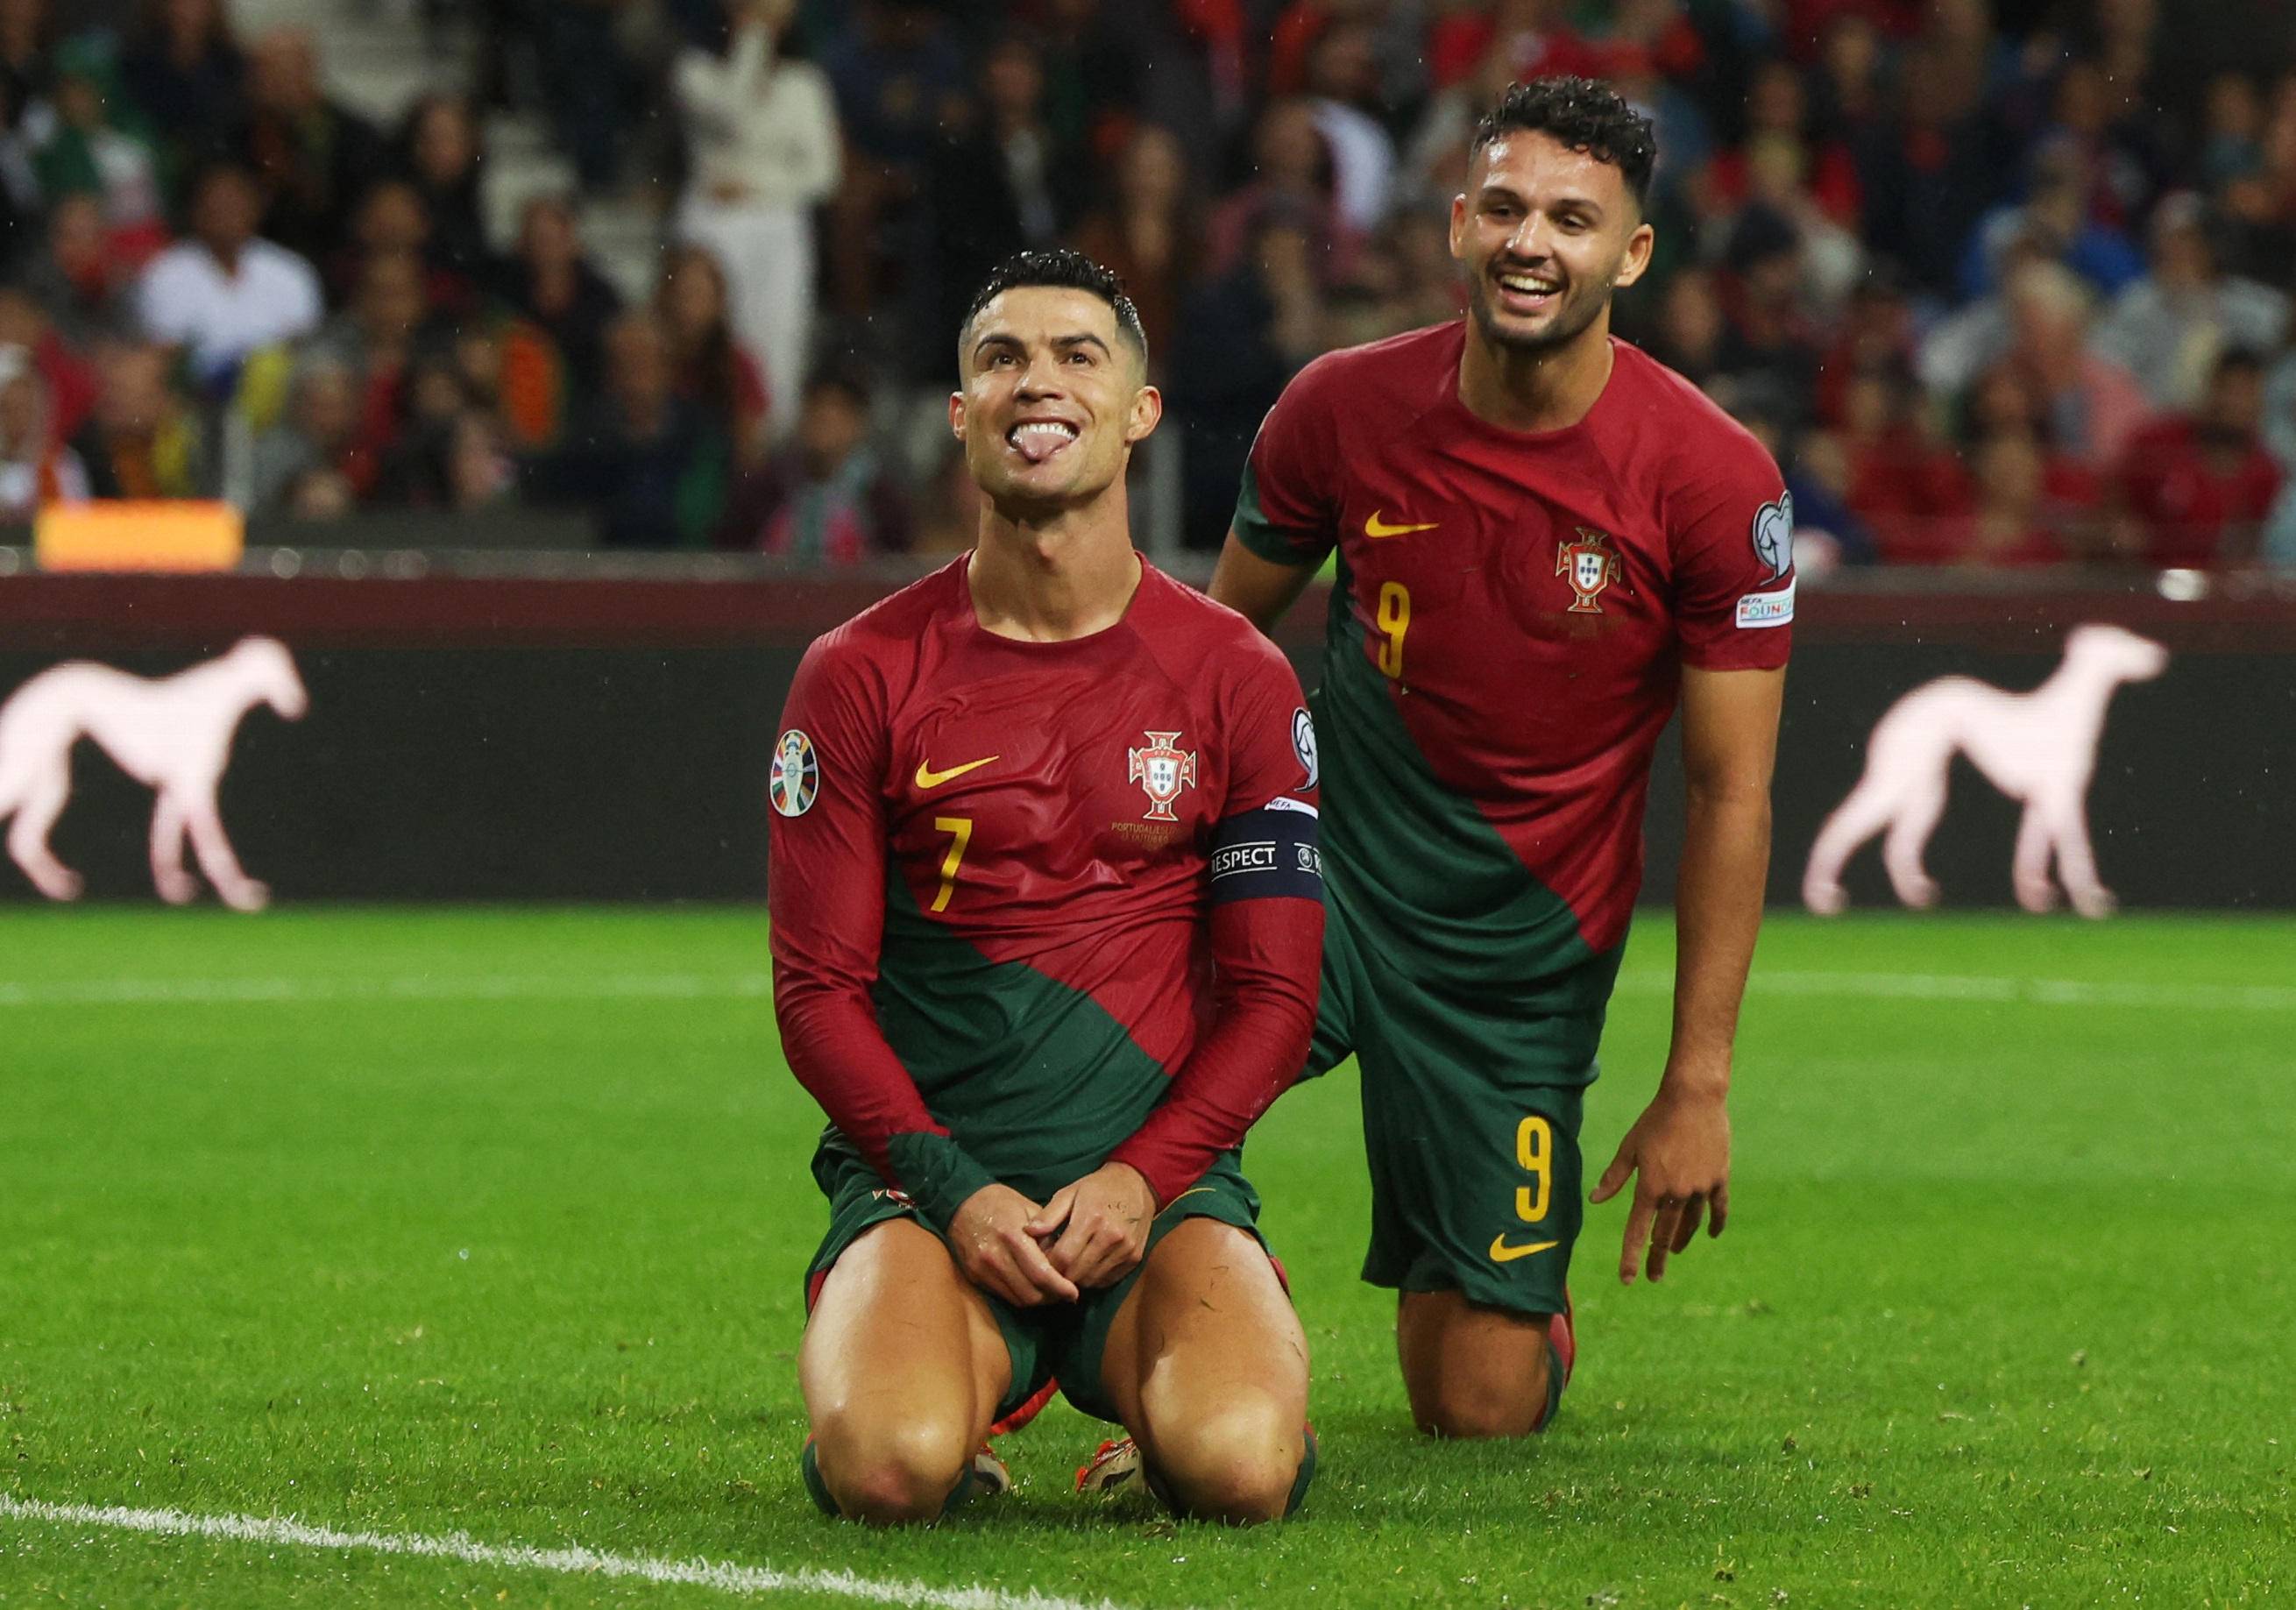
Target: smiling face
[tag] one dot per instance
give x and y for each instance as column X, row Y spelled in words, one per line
column 1054, row 396
column 1547, row 234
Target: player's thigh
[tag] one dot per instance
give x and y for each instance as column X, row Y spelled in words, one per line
column 1206, row 1362
column 900, row 1343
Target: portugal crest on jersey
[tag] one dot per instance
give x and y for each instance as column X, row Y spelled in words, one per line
column 796, row 776
column 1163, row 769
column 1590, row 563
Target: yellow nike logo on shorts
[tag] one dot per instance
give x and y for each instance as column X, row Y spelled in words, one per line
column 927, row 777
column 1375, row 527
column 1501, row 1253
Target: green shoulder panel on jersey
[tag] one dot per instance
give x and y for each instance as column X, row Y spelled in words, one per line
column 997, row 1048
column 1261, row 537
column 1424, row 883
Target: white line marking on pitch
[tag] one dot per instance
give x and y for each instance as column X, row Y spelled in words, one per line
column 749, row 986
column 746, row 1579
column 225, row 991
column 2036, row 991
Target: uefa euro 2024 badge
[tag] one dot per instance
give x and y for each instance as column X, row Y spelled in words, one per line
column 1162, row 769
column 796, row 777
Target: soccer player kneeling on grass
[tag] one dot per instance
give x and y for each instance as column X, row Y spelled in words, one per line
column 1047, row 916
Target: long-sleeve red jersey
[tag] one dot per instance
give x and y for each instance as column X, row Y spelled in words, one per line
column 1038, row 906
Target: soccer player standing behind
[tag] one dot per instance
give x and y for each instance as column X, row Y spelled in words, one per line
column 1546, row 539
column 1046, row 911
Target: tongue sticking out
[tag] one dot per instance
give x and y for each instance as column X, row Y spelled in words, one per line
column 1037, row 443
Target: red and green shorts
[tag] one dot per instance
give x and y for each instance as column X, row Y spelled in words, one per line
column 1472, row 1101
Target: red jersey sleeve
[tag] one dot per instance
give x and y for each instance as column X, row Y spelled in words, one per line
column 825, row 891
column 1266, row 935
column 1730, row 525
column 1286, row 512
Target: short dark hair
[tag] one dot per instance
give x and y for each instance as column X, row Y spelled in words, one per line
column 1062, row 269
column 1583, row 115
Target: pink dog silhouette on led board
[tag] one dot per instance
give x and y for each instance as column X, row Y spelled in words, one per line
column 2039, row 748
column 173, row 735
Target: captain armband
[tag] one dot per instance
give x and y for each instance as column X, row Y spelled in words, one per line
column 1268, row 851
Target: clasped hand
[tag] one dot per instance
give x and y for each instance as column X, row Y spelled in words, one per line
column 1091, row 1233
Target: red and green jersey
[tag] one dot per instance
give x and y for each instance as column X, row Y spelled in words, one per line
column 1040, row 905
column 1507, row 635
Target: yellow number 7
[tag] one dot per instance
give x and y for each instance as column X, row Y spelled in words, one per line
column 962, row 827
column 1534, row 1148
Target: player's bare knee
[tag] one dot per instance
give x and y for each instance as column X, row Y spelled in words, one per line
column 1236, row 1464
column 896, row 1473
column 1480, row 1409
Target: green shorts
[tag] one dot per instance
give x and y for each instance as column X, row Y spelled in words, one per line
column 1062, row 1342
column 1471, row 1110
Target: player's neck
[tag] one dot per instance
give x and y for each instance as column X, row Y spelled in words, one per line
column 1549, row 389
column 1067, row 576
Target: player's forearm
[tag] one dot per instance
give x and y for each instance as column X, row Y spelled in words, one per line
column 1257, row 589
column 832, row 1044
column 1726, row 858
column 1269, row 956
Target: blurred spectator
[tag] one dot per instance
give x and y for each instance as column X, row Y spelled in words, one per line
column 1876, row 334
column 315, row 159
column 35, row 468
column 142, row 441
column 71, row 380
column 647, row 461
column 2093, row 404
column 185, row 71
column 391, row 221
column 1241, row 338
column 97, row 144
column 1766, row 329
column 225, row 293
column 1903, row 482
column 2232, row 119
column 826, row 497
column 303, row 465
column 1691, row 327
column 440, row 158
column 2194, row 489
column 2008, row 527
column 27, row 31
column 949, row 519
column 896, row 69
column 2052, row 221
column 2169, row 327
column 74, row 276
column 1777, row 114
column 761, row 128
column 1532, row 38
column 586, row 83
column 1292, row 179
column 997, row 184
column 1148, row 229
column 1344, row 86
column 1928, row 178
column 548, row 280
column 709, row 367
column 2262, row 202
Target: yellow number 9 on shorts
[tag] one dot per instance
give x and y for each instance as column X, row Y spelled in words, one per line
column 1534, row 1149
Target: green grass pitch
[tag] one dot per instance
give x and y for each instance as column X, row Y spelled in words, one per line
column 492, row 1222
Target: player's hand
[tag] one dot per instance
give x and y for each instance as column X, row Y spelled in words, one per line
column 993, row 1246
column 1678, row 1153
column 1107, row 1214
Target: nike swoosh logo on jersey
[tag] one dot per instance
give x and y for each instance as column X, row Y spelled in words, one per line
column 1501, row 1253
column 927, row 777
column 1375, row 527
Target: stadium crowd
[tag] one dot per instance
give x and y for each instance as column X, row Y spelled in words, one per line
column 2001, row 285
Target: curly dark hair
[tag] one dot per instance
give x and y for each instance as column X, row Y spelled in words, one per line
column 1062, row 269
column 1584, row 115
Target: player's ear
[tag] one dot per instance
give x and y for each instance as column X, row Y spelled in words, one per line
column 1147, row 413
column 1459, row 227
column 957, row 415
column 1638, row 255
